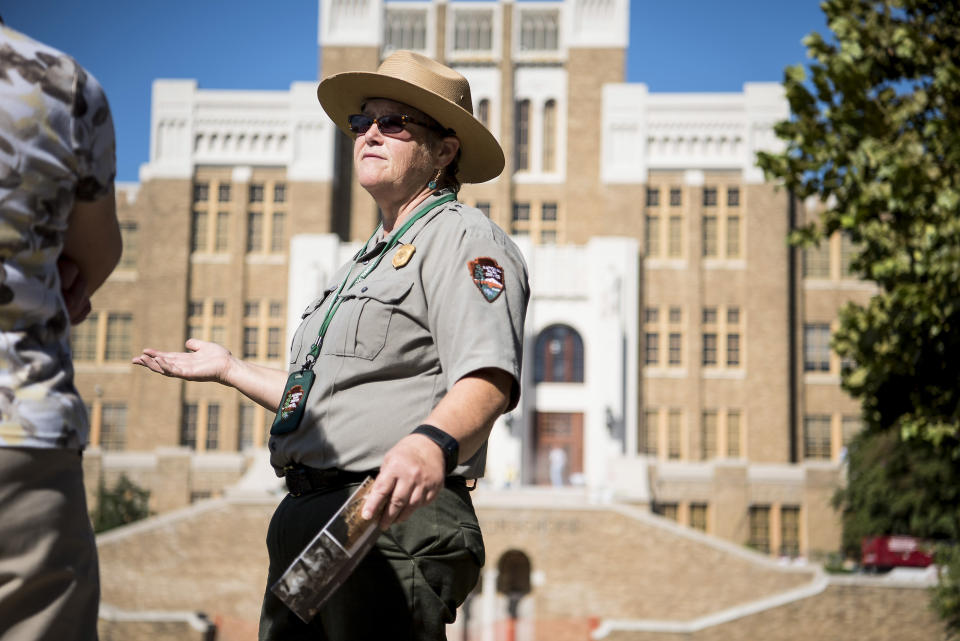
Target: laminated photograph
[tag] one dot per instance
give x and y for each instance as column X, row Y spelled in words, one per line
column 329, row 558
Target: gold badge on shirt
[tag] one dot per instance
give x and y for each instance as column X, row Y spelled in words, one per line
column 403, row 255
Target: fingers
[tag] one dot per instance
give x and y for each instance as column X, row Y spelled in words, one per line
column 379, row 495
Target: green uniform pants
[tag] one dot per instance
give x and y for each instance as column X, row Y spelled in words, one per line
column 407, row 588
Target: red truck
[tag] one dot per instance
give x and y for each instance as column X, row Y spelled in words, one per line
column 885, row 552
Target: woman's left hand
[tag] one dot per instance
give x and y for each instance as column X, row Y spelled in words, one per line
column 411, row 476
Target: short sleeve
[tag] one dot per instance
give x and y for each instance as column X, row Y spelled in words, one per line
column 477, row 295
column 94, row 140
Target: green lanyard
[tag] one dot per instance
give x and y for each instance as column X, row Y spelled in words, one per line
column 295, row 393
column 335, row 303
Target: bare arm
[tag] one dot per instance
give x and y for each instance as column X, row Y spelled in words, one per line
column 93, row 240
column 205, row 361
column 412, row 472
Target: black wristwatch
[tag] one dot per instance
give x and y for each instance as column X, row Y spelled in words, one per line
column 448, row 445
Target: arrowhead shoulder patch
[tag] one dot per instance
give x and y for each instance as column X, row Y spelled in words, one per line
column 488, row 276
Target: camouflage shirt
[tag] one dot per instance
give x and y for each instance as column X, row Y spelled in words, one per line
column 56, row 146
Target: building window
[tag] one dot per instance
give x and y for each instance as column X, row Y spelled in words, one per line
column 710, row 236
column 473, row 30
column 483, row 112
column 733, row 236
column 652, row 233
column 188, row 425
column 213, row 426
column 251, row 342
column 276, row 309
column 733, row 433
column 83, row 339
column 255, row 193
column 760, row 528
column 653, row 197
column 651, row 348
column 733, row 197
column 521, row 212
column 676, row 197
column 222, row 238
column 548, row 236
column 709, row 349
column 274, row 343
column 245, row 428
column 676, row 315
column 128, row 234
column 558, row 356
column 254, row 231
column 709, row 196
column 198, row 231
column 733, row 349
column 484, row 207
column 405, row 29
column 733, row 315
column 651, row 314
column 648, row 439
column 675, row 237
column 522, row 136
column 113, row 426
column 251, row 309
column 847, row 253
column 280, row 193
column 119, row 339
column 195, row 308
column 539, row 30
column 666, row 510
column 223, row 193
column 550, row 136
column 698, row 516
column 277, row 235
column 790, row 531
column 201, row 192
column 675, row 355
column 708, row 435
column 816, row 437
column 219, row 308
column 709, row 315
column 816, row 261
column 674, row 434
column 548, row 211
column 816, row 347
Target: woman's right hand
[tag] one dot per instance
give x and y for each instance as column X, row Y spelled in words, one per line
column 204, row 361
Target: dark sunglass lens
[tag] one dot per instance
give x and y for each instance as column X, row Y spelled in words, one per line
column 390, row 123
column 359, row 124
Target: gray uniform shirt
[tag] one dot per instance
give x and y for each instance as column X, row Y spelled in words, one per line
column 404, row 335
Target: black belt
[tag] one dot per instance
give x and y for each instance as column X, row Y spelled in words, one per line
column 301, row 479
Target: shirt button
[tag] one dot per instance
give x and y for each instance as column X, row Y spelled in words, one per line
column 363, row 289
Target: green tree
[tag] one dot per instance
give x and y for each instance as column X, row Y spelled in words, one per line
column 875, row 137
column 125, row 503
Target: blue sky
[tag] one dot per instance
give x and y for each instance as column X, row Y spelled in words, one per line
column 675, row 45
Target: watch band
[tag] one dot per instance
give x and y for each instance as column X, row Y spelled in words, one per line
column 447, row 444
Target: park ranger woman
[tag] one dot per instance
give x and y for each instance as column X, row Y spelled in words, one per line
column 399, row 369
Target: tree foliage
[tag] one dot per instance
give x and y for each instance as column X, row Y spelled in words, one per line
column 875, row 135
column 124, row 503
column 898, row 487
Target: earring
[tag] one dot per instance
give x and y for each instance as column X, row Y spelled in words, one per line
column 433, row 183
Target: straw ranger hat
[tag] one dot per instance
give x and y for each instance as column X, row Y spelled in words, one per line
column 436, row 90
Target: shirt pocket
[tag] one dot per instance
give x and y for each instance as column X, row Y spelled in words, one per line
column 297, row 347
column 374, row 304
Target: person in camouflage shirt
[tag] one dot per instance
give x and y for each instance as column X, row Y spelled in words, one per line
column 59, row 240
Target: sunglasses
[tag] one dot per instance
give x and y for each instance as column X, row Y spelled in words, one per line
column 387, row 124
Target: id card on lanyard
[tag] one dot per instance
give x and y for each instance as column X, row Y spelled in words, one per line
column 294, row 399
